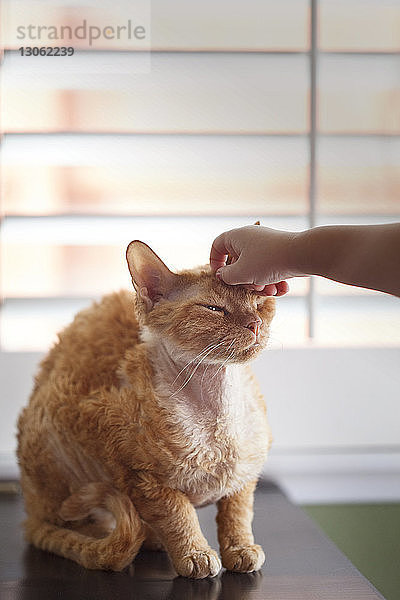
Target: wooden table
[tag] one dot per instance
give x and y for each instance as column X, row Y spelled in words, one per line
column 301, row 564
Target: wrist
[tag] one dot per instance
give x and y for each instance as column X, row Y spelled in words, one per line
column 299, row 260
column 321, row 250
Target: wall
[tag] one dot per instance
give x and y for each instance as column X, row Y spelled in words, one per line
column 334, row 415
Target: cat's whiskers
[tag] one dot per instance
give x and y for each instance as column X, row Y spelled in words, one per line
column 196, row 367
column 274, row 340
column 189, row 377
column 210, row 347
column 201, row 382
column 205, row 370
column 222, row 366
column 191, row 361
column 226, row 360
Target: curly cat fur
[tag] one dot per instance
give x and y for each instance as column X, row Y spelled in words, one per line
column 118, row 443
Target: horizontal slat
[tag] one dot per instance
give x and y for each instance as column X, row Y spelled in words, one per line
column 174, row 25
column 364, row 321
column 327, row 287
column 359, row 94
column 227, row 24
column 197, row 175
column 372, row 320
column 86, row 256
column 155, row 175
column 67, row 23
column 122, row 150
column 202, row 93
column 71, row 256
column 365, row 219
column 358, row 175
column 32, row 324
column 359, row 25
column 57, row 270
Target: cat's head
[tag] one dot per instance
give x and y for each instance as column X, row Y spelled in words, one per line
column 193, row 312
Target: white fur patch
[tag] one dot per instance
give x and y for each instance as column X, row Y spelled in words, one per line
column 146, row 336
column 104, row 518
column 216, row 415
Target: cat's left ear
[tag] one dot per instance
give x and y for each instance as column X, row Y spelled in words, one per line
column 151, row 278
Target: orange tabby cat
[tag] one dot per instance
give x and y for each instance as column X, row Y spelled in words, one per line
column 144, row 409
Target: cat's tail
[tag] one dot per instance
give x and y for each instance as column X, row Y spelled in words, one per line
column 100, row 500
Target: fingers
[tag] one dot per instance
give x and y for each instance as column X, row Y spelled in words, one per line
column 267, row 290
column 272, row 289
column 282, row 288
column 232, row 274
column 254, row 287
column 219, row 252
column 237, row 273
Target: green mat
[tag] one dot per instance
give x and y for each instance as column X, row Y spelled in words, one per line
column 369, row 535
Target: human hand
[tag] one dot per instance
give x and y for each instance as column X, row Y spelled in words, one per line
column 260, row 259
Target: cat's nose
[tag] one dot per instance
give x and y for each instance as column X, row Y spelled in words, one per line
column 254, row 325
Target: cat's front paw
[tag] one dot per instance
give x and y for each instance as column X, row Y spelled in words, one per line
column 243, row 559
column 199, row 564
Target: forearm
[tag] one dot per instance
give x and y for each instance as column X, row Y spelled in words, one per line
column 365, row 256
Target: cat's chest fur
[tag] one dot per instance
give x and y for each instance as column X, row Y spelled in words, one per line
column 216, row 424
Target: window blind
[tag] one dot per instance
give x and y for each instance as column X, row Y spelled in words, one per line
column 208, row 126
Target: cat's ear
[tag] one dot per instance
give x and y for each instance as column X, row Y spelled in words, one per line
column 151, row 278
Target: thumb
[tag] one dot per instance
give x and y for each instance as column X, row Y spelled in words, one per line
column 232, row 274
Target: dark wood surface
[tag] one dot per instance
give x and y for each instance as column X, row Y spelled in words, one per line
column 301, row 564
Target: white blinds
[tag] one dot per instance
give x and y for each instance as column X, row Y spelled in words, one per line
column 210, row 130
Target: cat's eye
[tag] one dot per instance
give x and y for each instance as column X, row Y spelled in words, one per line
column 215, row 308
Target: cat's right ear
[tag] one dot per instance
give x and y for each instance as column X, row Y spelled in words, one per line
column 151, row 278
